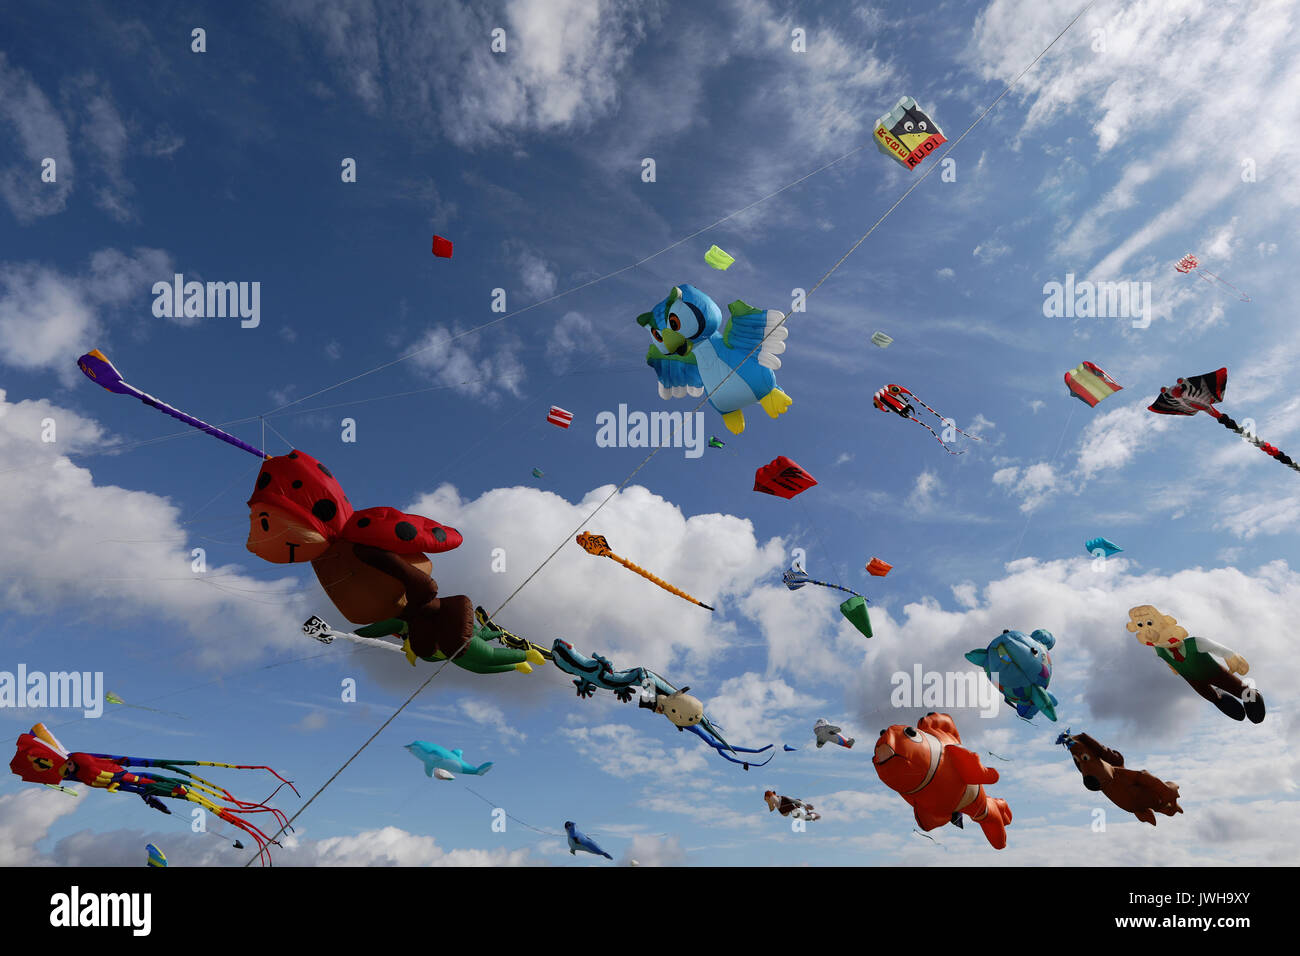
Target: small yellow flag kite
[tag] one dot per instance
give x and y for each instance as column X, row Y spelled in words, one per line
column 717, row 258
column 597, row 545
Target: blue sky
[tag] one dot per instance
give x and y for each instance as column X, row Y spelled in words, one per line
column 1150, row 129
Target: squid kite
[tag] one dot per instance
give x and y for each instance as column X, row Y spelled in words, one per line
column 40, row 758
column 597, row 545
column 684, row 711
column 896, row 399
column 854, row 609
column 1201, row 393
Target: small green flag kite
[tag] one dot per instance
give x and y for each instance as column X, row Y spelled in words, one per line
column 537, row 473
column 717, row 258
column 715, row 442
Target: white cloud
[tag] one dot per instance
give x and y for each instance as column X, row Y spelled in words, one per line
column 30, row 122
column 455, row 360
column 561, row 70
column 47, row 315
column 139, row 562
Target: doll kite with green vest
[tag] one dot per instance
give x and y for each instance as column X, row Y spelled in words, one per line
column 1190, row 658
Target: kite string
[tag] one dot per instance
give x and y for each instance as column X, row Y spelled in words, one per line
column 443, row 343
column 786, row 318
column 347, row 763
column 510, row 816
column 702, row 402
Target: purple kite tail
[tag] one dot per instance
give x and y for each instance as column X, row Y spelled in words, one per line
column 99, row 369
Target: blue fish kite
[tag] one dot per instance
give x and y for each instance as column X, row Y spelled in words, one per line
column 1021, row 668
column 440, row 758
column 1104, row 545
column 580, row 841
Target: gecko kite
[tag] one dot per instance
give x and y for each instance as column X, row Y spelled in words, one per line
column 40, row 758
column 694, row 353
column 682, row 710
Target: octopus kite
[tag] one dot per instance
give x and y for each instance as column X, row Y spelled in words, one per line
column 897, row 399
column 40, row 758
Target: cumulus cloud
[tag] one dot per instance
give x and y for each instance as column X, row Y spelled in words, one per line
column 140, row 562
column 47, row 315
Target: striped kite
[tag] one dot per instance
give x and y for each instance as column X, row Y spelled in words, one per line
column 1090, row 384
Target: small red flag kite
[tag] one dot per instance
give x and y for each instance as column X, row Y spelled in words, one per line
column 782, row 478
column 441, row 247
column 559, row 416
column 878, row 568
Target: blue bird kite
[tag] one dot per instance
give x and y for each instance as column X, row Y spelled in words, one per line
column 580, row 841
column 694, row 353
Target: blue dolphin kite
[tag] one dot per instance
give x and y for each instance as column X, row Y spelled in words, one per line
column 440, row 758
column 580, row 841
column 1021, row 668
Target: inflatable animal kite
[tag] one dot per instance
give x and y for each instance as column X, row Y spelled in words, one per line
column 682, row 710
column 1136, row 791
column 436, row 758
column 580, row 841
column 694, row 353
column 1189, row 658
column 40, row 758
column 371, row 563
column 942, row 780
column 827, row 733
column 897, row 399
column 1201, row 393
column 789, row 806
column 1021, row 668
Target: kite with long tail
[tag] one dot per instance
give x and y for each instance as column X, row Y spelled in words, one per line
column 1201, row 393
column 597, row 545
column 796, row 577
column 1190, row 263
column 100, row 370
column 40, row 758
column 854, row 609
column 897, row 399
